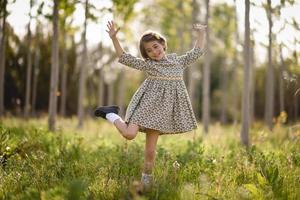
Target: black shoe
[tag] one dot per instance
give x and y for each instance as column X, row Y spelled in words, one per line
column 103, row 110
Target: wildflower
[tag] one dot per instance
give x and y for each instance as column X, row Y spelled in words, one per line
column 176, row 165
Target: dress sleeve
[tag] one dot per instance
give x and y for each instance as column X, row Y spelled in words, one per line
column 133, row 62
column 190, row 56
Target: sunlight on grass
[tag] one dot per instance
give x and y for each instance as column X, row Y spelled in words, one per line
column 95, row 162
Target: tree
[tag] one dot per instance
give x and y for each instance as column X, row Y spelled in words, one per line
column 3, row 15
column 82, row 77
column 252, row 81
column 235, row 63
column 67, row 9
column 191, row 71
column 246, row 86
column 269, row 93
column 29, row 65
column 223, row 29
column 54, row 70
column 206, row 77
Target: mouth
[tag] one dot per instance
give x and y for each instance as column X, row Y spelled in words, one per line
column 158, row 55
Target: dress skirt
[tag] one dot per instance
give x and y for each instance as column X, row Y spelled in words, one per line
column 162, row 105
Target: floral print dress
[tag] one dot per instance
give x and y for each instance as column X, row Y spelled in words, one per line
column 162, row 102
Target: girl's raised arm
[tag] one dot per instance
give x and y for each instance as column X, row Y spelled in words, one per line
column 191, row 56
column 112, row 31
column 201, row 30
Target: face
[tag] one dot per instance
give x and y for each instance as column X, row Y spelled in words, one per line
column 154, row 50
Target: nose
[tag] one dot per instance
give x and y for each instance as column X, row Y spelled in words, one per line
column 156, row 52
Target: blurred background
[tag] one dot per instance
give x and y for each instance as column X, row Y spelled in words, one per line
column 88, row 74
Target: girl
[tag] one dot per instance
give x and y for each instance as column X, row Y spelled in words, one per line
column 161, row 105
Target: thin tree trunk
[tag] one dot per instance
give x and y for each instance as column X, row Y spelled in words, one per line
column 281, row 82
column 63, row 85
column 246, row 86
column 252, row 83
column 269, row 95
column 29, row 69
column 296, row 105
column 224, row 83
column 110, row 98
column 82, row 78
column 35, row 80
column 191, row 69
column 206, row 77
column 54, row 70
column 121, row 92
column 2, row 58
column 235, row 95
column 100, row 87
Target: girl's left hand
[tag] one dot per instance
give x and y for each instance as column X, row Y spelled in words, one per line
column 199, row 27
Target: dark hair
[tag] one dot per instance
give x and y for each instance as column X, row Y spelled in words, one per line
column 150, row 36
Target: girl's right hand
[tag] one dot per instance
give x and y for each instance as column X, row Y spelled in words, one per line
column 112, row 30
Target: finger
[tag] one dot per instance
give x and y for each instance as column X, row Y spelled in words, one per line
column 109, row 24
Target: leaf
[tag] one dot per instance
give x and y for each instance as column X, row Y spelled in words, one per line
column 261, row 180
column 252, row 189
column 275, row 175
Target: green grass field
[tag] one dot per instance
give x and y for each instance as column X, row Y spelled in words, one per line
column 96, row 163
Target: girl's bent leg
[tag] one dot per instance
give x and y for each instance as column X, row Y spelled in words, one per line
column 128, row 131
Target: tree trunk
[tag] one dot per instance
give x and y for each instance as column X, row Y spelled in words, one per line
column 63, row 86
column 281, row 82
column 100, row 87
column 224, row 89
column 246, row 86
column 29, row 69
column 192, row 68
column 82, row 78
column 35, row 80
column 206, row 77
column 296, row 105
column 110, row 98
column 2, row 57
column 121, row 93
column 54, row 70
column 236, row 93
column 269, row 95
column 252, row 83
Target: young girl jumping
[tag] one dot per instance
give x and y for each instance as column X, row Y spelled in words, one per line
column 161, row 105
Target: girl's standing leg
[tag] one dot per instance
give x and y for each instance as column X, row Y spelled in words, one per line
column 150, row 150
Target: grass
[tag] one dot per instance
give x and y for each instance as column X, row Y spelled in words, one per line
column 96, row 163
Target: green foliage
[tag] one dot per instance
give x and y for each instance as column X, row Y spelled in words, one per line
column 124, row 9
column 93, row 164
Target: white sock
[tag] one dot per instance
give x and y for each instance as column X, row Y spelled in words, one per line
column 112, row 117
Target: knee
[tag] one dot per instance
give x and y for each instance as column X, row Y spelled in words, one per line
column 129, row 135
